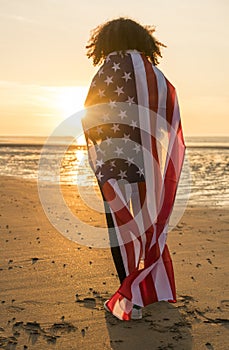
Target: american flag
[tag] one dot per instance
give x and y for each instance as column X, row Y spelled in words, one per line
column 136, row 150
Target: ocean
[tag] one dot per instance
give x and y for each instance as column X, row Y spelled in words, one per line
column 204, row 179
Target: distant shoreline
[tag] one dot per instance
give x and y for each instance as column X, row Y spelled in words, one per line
column 217, row 142
column 84, row 147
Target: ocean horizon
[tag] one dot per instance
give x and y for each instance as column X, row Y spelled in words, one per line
column 204, row 176
column 190, row 141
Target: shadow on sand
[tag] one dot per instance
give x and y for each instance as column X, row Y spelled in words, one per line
column 161, row 328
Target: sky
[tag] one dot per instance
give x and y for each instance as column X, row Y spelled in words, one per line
column 45, row 74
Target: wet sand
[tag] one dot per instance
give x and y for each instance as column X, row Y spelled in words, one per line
column 52, row 289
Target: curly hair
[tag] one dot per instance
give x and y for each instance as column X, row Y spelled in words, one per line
column 123, row 34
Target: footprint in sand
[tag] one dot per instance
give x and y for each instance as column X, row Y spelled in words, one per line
column 89, row 303
column 224, row 304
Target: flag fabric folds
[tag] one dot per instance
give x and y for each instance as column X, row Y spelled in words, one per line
column 136, row 150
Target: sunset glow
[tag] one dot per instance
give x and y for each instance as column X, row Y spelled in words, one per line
column 67, row 100
column 45, row 73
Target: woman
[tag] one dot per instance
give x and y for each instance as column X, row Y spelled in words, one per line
column 136, row 150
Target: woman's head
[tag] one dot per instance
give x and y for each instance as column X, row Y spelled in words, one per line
column 122, row 34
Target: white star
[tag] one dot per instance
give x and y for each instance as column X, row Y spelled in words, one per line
column 126, row 76
column 129, row 161
column 101, row 93
column 99, row 176
column 99, row 130
column 121, row 54
column 112, row 104
column 115, row 127
column 105, row 117
column 118, row 151
column 108, row 140
column 93, row 84
column 137, row 148
column 98, row 149
column 109, row 80
column 119, row 90
column 122, row 114
column 133, row 124
column 100, row 71
column 126, row 138
column 99, row 163
column 140, row 172
column 130, row 100
column 116, row 66
column 122, row 174
column 112, row 163
column 108, row 59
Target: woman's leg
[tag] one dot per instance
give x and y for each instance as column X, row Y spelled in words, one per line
column 115, row 249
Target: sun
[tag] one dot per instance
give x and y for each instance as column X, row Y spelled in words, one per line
column 65, row 108
column 81, row 140
column 70, row 99
column 64, row 101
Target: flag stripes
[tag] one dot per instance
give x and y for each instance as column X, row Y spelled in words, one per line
column 142, row 205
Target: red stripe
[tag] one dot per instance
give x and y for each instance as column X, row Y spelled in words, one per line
column 108, row 192
column 171, row 180
column 148, row 290
column 153, row 100
column 111, row 305
column 171, row 95
column 180, row 133
column 169, row 270
column 123, row 217
column 149, row 230
column 151, row 85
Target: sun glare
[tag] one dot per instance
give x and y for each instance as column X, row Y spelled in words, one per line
column 65, row 105
column 66, row 100
column 81, row 140
column 70, row 100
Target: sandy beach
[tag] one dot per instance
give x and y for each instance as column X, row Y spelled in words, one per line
column 52, row 289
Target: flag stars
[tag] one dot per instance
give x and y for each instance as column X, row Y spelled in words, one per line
column 119, row 90
column 134, row 124
column 93, row 84
column 101, row 93
column 115, row 128
column 137, row 148
column 118, row 151
column 99, row 130
column 108, row 141
column 126, row 138
column 130, row 100
column 105, row 117
column 112, row 104
column 116, row 66
column 98, row 149
column 112, row 164
column 99, row 163
column 126, row 76
column 101, row 72
column 140, row 172
column 109, row 80
column 121, row 54
column 122, row 174
column 129, row 161
column 122, row 114
column 99, row 176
